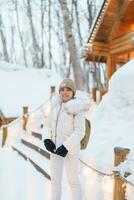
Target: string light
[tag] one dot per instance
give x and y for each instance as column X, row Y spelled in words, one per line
column 26, row 115
column 99, row 20
column 113, row 174
column 132, row 40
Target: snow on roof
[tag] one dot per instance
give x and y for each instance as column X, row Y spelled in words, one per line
column 24, row 87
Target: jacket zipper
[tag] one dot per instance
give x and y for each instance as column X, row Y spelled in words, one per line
column 58, row 114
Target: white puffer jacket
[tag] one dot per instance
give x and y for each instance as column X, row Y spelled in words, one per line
column 65, row 123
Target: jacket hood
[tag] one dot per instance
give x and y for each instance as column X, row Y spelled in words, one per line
column 80, row 103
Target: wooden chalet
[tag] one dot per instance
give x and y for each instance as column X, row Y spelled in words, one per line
column 111, row 37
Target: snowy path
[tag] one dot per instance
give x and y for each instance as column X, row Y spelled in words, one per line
column 19, row 180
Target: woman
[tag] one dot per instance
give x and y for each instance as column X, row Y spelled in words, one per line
column 64, row 129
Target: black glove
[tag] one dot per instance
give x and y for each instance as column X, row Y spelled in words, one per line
column 50, row 146
column 62, row 151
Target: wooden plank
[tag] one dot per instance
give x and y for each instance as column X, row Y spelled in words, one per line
column 37, row 135
column 100, row 49
column 36, row 148
column 4, row 135
column 33, row 163
column 20, row 153
column 40, row 169
column 122, row 10
column 122, row 38
column 119, row 44
column 111, row 66
column 100, row 53
column 100, row 44
column 122, row 49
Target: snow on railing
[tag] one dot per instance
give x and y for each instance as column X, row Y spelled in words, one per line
column 112, row 174
column 96, row 170
column 22, row 121
column 120, row 181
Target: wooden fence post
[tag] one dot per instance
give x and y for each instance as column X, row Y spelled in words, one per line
column 4, row 135
column 52, row 90
column 94, row 90
column 25, row 117
column 119, row 190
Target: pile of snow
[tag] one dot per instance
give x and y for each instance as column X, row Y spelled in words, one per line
column 112, row 126
column 24, row 87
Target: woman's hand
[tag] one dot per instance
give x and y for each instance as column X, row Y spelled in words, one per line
column 62, row 151
column 50, row 146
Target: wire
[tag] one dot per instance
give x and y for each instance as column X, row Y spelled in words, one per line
column 113, row 174
column 27, row 114
column 98, row 171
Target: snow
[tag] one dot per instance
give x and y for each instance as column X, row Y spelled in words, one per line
column 24, row 87
column 20, row 180
column 112, row 125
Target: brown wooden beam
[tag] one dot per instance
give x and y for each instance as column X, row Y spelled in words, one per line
column 122, row 44
column 111, row 66
column 100, row 48
column 118, row 45
column 122, row 38
column 122, row 49
column 118, row 18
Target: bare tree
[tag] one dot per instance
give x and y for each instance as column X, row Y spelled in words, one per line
column 49, row 32
column 3, row 40
column 42, row 32
column 36, row 48
column 91, row 8
column 64, row 27
column 52, row 58
column 90, row 67
column 75, row 3
column 20, row 34
column 71, row 43
column 12, row 51
column 61, row 42
column 85, row 77
column 96, row 75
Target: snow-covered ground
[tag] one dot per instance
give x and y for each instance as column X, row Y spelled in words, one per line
column 24, row 87
column 20, row 180
column 112, row 125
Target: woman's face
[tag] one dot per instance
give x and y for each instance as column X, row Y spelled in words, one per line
column 66, row 94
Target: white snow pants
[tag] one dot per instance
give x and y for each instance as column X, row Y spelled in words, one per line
column 71, row 164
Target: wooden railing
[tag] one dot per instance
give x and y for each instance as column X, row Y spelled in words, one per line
column 120, row 181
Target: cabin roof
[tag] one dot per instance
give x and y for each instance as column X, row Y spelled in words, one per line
column 112, row 29
column 114, row 19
